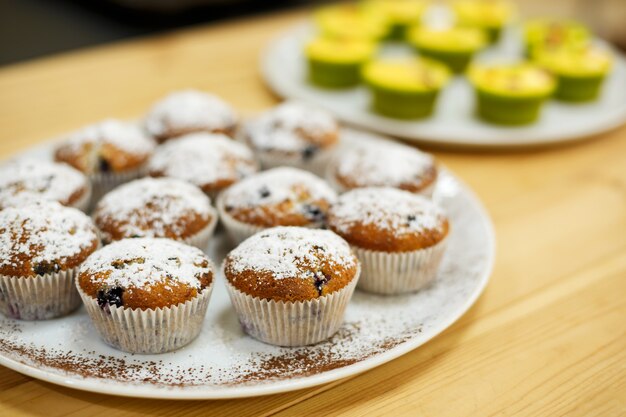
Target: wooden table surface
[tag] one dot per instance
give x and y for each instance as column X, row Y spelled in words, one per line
column 548, row 336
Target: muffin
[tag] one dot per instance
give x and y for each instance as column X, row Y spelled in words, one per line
column 156, row 207
column 580, row 71
column 41, row 247
column 278, row 197
column 110, row 153
column 545, row 33
column 24, row 181
column 399, row 237
column 489, row 15
column 401, row 14
column 290, row 285
column 453, row 46
column 373, row 163
column 350, row 21
column 147, row 295
column 209, row 161
column 336, row 63
column 294, row 134
column 190, row 111
column 510, row 94
column 405, row 88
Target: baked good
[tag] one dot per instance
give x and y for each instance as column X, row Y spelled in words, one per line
column 290, row 285
column 400, row 14
column 489, row 15
column 549, row 33
column 405, row 88
column 209, row 161
column 28, row 180
column 454, row 46
column 399, row 237
column 156, row 207
column 510, row 94
column 294, row 134
column 42, row 245
column 278, row 197
column 110, row 153
column 379, row 163
column 351, row 21
column 147, row 295
column 190, row 111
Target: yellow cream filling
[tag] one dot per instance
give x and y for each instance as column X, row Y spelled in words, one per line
column 398, row 11
column 406, row 74
column 351, row 21
column 555, row 32
column 448, row 39
column 515, row 80
column 576, row 61
column 340, row 50
column 490, row 13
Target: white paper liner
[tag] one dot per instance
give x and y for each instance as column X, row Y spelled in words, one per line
column 317, row 164
column 296, row 323
column 102, row 183
column 399, row 273
column 330, row 178
column 40, row 297
column 149, row 331
column 240, row 231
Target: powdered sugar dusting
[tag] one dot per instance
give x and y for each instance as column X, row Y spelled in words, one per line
column 203, row 158
column 43, row 232
column 27, row 180
column 290, row 127
column 283, row 250
column 189, row 109
column 124, row 136
column 386, row 209
column 158, row 202
column 147, row 262
column 377, row 163
column 276, row 186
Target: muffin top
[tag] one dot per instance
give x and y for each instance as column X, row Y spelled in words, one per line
column 349, row 21
column 416, row 75
column 27, row 180
column 454, row 39
column 404, row 12
column 387, row 219
column 210, row 161
column 279, row 197
column 515, row 80
column 43, row 238
column 153, row 207
column 291, row 264
column 575, row 61
column 489, row 13
column 293, row 128
column 554, row 33
column 377, row 164
column 108, row 146
column 190, row 111
column 339, row 50
column 145, row 273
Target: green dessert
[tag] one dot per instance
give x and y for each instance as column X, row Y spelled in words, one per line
column 510, row 94
column 350, row 21
column 553, row 34
column 580, row 70
column 453, row 46
column 489, row 15
column 336, row 63
column 405, row 88
column 400, row 14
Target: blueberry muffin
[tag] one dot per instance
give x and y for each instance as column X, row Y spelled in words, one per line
column 399, row 237
column 41, row 247
column 209, row 161
column 147, row 295
column 190, row 111
column 278, row 197
column 28, row 180
column 156, row 207
column 293, row 134
column 290, row 285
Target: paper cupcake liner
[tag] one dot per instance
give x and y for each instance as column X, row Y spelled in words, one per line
column 39, row 297
column 201, row 239
column 240, row 231
column 398, row 273
column 297, row 323
column 332, row 181
column 317, row 164
column 102, row 183
column 149, row 331
column 84, row 201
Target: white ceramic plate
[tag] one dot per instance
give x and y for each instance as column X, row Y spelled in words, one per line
column 453, row 124
column 225, row 363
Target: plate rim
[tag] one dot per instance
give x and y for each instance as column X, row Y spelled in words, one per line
column 156, row 391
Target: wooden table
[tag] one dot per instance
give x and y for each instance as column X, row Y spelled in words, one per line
column 548, row 337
